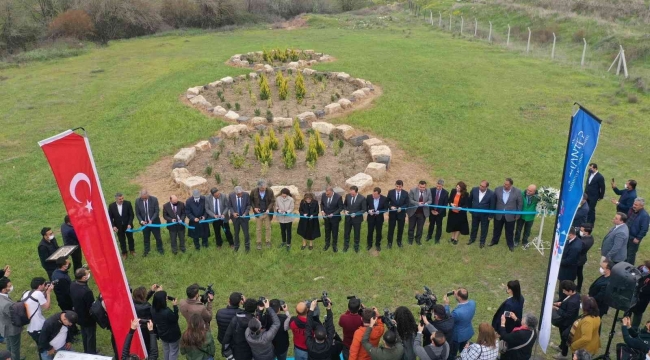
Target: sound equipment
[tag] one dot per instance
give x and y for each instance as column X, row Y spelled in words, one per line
column 622, row 291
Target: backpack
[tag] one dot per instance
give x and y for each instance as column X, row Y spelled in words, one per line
column 100, row 315
column 624, row 352
column 18, row 311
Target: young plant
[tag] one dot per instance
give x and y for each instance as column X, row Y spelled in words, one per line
column 328, row 180
column 269, row 116
column 215, row 155
column 265, row 90
column 208, row 170
column 298, row 137
column 237, row 106
column 258, row 146
column 266, row 156
column 310, row 183
column 320, row 145
column 246, row 150
column 234, row 182
column 283, row 89
column 279, row 78
column 274, row 143
column 312, row 152
column 228, row 106
column 217, row 178
column 300, row 87
column 289, row 156
column 258, row 112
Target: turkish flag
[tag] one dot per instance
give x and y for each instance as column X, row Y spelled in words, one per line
column 74, row 169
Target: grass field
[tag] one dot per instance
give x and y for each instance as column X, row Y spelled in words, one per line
column 467, row 110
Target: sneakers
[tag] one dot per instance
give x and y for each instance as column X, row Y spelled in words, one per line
column 268, row 244
column 259, row 246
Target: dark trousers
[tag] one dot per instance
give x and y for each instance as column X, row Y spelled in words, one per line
column 563, row 340
column 399, row 219
column 632, row 248
column 454, row 348
column 35, row 336
column 76, row 259
column 177, row 231
column 89, row 339
column 218, row 227
column 375, row 225
column 498, row 228
column 285, row 231
column 332, row 230
column 483, row 220
column 201, row 231
column 580, row 279
column 349, row 224
column 417, row 219
column 122, row 235
column 241, row 224
column 638, row 310
column 526, row 226
column 49, row 274
column 591, row 215
column 346, row 353
column 13, row 346
column 435, row 221
column 146, row 233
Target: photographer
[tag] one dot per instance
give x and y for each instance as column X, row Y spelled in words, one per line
column 260, row 341
column 393, row 350
column 521, row 340
column 36, row 300
column 166, row 322
column 281, row 339
column 82, row 300
column 193, row 305
column 350, row 322
column 438, row 349
column 150, row 341
column 407, row 328
column 441, row 321
column 298, row 324
column 234, row 340
column 62, row 286
column 357, row 351
column 320, row 338
column 463, row 315
column 143, row 308
column 638, row 341
column 225, row 315
column 56, row 334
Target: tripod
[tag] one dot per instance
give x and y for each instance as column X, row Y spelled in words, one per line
column 605, row 356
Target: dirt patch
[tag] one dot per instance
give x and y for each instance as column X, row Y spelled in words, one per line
column 297, row 22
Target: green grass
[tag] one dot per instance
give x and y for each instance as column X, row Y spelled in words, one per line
column 466, row 110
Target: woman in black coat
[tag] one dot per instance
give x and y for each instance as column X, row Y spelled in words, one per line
column 513, row 304
column 521, row 340
column 143, row 309
column 166, row 322
column 457, row 219
column 308, row 228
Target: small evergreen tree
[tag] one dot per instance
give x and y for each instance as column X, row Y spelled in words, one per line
column 289, row 153
column 300, row 87
column 284, row 89
column 320, row 145
column 298, row 137
column 274, row 143
column 312, row 153
column 266, row 156
column 258, row 146
column 279, row 78
column 265, row 90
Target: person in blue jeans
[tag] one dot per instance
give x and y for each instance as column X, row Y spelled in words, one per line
column 463, row 315
column 56, row 334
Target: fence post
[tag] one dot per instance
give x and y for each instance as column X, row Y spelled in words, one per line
column 431, row 17
column 449, row 22
column 584, row 51
column 508, row 41
column 440, row 19
column 462, row 22
column 553, row 50
column 490, row 34
column 528, row 45
column 624, row 62
column 475, row 27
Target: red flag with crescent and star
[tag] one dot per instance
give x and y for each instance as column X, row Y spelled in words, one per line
column 74, row 169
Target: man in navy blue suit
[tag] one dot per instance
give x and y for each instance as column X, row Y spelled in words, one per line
column 595, row 190
column 398, row 200
column 481, row 197
column 440, row 197
column 570, row 259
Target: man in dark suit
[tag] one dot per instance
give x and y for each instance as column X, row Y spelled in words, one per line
column 240, row 207
column 565, row 312
column 195, row 210
column 638, row 222
column 377, row 205
column 481, row 197
column 570, row 259
column 508, row 198
column 355, row 206
column 147, row 211
column 627, row 196
column 46, row 248
column 121, row 213
column 440, row 196
column 598, row 289
column 174, row 213
column 398, row 201
column 70, row 239
column 419, row 199
column 216, row 206
column 595, row 191
column 82, row 300
column 331, row 205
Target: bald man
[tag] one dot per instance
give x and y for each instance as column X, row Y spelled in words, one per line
column 174, row 213
column 148, row 212
column 529, row 203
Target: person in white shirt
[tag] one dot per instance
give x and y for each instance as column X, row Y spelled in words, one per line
column 37, row 299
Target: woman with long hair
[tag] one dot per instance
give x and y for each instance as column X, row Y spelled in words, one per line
column 584, row 332
column 457, row 219
column 284, row 206
column 407, row 328
column 514, row 304
column 166, row 322
column 485, row 347
column 308, row 226
column 197, row 342
column 143, row 309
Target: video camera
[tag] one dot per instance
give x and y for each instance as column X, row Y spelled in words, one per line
column 426, row 301
column 208, row 291
column 51, row 283
column 360, row 302
column 388, row 319
column 324, row 299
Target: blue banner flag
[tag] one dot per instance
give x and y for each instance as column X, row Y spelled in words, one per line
column 583, row 139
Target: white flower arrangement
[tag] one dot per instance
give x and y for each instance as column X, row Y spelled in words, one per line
column 548, row 198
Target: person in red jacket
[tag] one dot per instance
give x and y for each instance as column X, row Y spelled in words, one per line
column 297, row 325
column 350, row 322
column 357, row 351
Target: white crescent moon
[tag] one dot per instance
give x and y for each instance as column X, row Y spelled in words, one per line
column 73, row 184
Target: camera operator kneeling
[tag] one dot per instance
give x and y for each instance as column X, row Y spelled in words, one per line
column 438, row 348
column 152, row 349
column 321, row 345
column 393, row 349
column 261, row 342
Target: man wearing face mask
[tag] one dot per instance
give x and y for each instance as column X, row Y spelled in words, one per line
column 62, row 287
column 82, row 300
column 598, row 289
column 46, row 248
column 643, row 287
column 10, row 332
column 636, row 340
column 570, row 259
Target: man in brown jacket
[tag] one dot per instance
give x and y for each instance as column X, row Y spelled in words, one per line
column 192, row 305
column 263, row 202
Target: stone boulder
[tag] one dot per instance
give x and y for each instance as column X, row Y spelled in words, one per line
column 194, row 90
column 302, row 63
column 308, row 71
column 380, row 151
column 292, row 189
column 333, row 108
column 218, row 110
column 368, row 143
column 358, row 140
column 233, row 131
column 178, row 165
column 268, row 68
column 312, row 62
column 362, row 181
column 359, row 82
column 325, row 58
column 282, row 122
column 345, row 103
column 293, row 65
column 307, row 116
column 319, row 113
column 258, row 121
column 215, row 83
column 376, row 170
column 366, row 90
column 243, row 120
column 214, row 140
column 195, row 183
column 359, row 94
column 231, row 115
column 343, row 76
column 322, row 127
column 309, row 52
column 180, row 174
column 185, row 155
column 200, row 100
column 227, row 80
column 346, row 132
column 202, row 145
column 252, row 75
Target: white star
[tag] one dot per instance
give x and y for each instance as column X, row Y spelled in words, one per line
column 89, row 206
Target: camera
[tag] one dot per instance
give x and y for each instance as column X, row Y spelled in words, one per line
column 360, row 301
column 51, row 283
column 171, row 298
column 426, row 301
column 388, row 319
column 208, row 291
column 451, row 293
column 506, row 314
column 260, row 301
column 324, row 299
column 144, row 321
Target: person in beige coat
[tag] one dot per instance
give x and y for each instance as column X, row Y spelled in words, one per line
column 284, row 204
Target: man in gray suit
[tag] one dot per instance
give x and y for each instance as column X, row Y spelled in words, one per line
column 10, row 332
column 147, row 211
column 217, row 207
column 615, row 242
column 419, row 196
column 240, row 205
column 355, row 206
column 508, row 198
